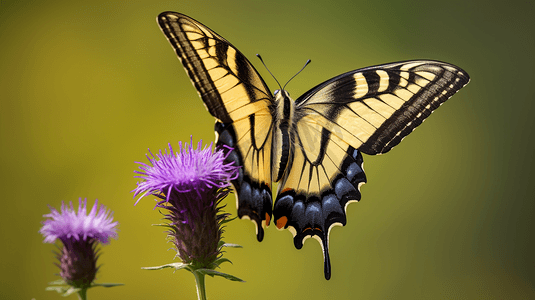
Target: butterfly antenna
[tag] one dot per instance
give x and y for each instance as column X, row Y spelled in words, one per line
column 260, row 57
column 306, row 64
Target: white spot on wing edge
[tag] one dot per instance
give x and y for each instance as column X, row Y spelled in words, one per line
column 351, row 201
column 291, row 229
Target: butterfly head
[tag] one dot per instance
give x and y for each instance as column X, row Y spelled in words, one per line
column 281, row 94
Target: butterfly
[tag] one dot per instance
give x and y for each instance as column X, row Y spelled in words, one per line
column 311, row 146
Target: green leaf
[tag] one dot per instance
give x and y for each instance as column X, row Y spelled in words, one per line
column 64, row 290
column 221, row 260
column 61, row 287
column 232, row 245
column 215, row 273
column 176, row 266
column 58, row 282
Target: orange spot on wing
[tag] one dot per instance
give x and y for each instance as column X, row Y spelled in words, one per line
column 281, row 222
column 285, row 190
column 268, row 219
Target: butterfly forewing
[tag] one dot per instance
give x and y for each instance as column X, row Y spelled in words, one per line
column 238, row 98
column 374, row 108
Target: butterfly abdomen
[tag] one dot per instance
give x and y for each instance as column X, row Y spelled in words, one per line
column 280, row 152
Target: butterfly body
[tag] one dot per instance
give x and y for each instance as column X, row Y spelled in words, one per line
column 311, row 146
column 282, row 133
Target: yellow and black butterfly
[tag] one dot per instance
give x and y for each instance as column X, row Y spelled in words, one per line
column 312, row 146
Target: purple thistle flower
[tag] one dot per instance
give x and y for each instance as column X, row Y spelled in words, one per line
column 190, row 184
column 80, row 234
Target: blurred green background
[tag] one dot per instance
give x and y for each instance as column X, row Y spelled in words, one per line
column 87, row 87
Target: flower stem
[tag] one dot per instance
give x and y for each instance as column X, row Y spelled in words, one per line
column 82, row 294
column 201, row 289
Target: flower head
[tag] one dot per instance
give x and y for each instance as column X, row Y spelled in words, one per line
column 190, row 184
column 80, row 234
column 69, row 224
column 188, row 170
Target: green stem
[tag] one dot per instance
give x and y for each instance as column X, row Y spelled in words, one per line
column 82, row 294
column 201, row 289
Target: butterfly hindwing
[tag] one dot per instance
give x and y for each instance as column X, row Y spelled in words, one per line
column 235, row 94
column 314, row 194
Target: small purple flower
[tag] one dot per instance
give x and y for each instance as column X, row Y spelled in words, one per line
column 80, row 234
column 190, row 184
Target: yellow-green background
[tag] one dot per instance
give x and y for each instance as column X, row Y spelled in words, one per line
column 86, row 87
